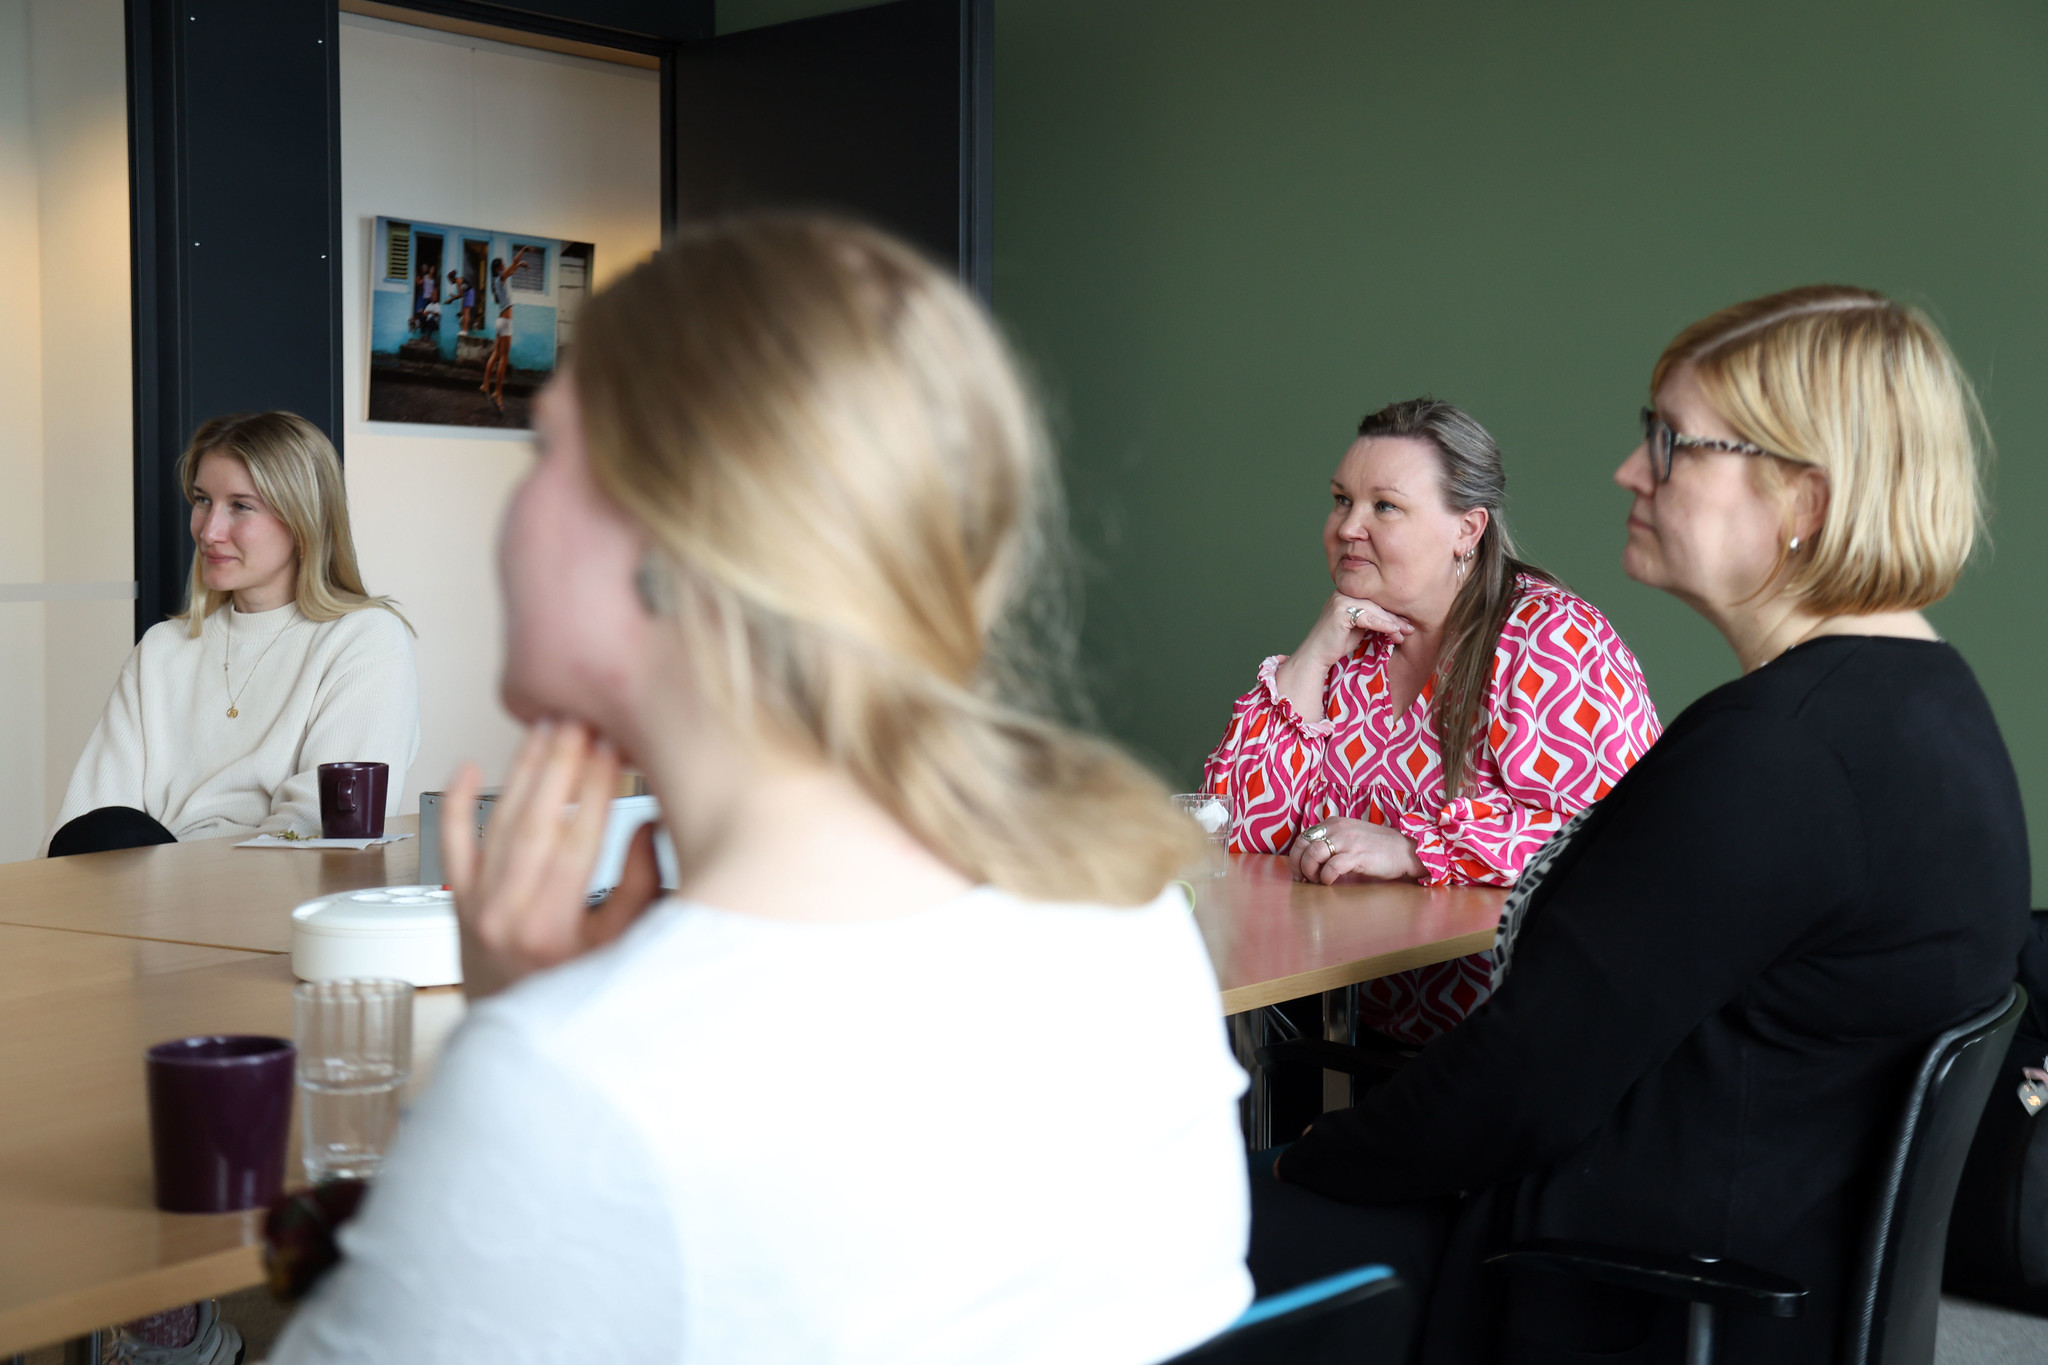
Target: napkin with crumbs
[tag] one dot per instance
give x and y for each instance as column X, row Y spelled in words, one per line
column 273, row 841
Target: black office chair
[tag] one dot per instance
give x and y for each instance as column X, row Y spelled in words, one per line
column 1894, row 1292
column 1359, row 1317
column 1998, row 1231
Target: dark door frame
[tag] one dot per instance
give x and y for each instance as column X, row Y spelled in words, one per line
column 650, row 27
column 161, row 161
column 978, row 148
column 657, row 27
column 189, row 179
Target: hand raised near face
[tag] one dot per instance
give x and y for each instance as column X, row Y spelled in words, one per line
column 520, row 898
column 1342, row 623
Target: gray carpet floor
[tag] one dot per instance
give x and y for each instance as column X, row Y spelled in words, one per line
column 1974, row 1333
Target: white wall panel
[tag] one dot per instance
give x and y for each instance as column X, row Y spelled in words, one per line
column 65, row 390
column 79, row 61
column 463, row 131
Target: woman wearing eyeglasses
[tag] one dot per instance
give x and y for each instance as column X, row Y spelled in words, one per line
column 1450, row 709
column 1711, row 989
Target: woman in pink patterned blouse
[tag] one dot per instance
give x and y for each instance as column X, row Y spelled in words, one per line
column 1450, row 709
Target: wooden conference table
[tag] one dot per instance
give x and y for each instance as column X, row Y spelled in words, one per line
column 104, row 954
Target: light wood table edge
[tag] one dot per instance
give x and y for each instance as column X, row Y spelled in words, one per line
column 1242, row 998
column 66, row 1316
column 146, row 938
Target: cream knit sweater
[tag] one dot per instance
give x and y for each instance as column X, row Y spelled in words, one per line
column 305, row 693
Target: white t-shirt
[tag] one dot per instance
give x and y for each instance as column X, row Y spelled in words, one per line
column 304, row 692
column 994, row 1131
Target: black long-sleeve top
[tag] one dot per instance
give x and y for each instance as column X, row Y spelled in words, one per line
column 1722, row 984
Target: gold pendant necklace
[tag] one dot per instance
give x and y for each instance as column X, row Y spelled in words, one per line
column 227, row 658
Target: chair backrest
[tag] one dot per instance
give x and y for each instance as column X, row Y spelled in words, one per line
column 1895, row 1293
column 1359, row 1317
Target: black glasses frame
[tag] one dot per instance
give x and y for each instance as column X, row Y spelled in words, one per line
column 1664, row 442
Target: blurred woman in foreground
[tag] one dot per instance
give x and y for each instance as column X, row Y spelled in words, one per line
column 824, row 1104
column 1712, row 988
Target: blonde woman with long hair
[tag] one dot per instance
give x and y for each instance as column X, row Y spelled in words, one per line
column 842, row 1098
column 281, row 661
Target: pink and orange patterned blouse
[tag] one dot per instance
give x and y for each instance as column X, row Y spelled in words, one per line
column 1568, row 713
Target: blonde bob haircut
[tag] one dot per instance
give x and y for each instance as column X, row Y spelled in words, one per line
column 1867, row 391
column 852, row 502
column 297, row 473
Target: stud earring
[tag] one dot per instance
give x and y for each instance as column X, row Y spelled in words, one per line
column 1794, row 546
column 655, row 584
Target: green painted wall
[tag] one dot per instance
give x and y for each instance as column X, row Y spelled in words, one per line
column 1226, row 230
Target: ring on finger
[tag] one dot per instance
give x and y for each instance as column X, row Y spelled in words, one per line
column 1352, row 612
column 1319, row 834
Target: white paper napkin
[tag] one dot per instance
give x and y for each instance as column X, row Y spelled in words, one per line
column 272, row 841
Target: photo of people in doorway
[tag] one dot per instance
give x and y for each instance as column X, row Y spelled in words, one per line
column 467, row 323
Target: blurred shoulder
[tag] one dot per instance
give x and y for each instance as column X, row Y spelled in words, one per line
column 684, row 964
column 1166, row 915
column 1155, row 947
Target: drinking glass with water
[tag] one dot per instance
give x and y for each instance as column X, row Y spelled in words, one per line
column 355, row 1052
column 1212, row 813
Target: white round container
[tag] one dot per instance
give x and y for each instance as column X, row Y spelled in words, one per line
column 404, row 932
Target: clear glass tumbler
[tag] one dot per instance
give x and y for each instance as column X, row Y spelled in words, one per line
column 1212, row 813
column 355, row 1053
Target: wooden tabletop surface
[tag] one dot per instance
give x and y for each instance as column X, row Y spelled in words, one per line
column 206, row 892
column 105, row 954
column 41, row 962
column 82, row 1244
column 1272, row 938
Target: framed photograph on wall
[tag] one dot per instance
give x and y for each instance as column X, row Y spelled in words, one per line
column 467, row 323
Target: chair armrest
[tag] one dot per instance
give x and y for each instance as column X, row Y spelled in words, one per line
column 1725, row 1284
column 1368, row 1059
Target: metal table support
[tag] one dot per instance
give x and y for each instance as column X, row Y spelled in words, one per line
column 1340, row 1025
column 1255, row 1110
column 1252, row 1029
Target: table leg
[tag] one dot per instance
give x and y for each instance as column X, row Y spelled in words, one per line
column 85, row 1350
column 1340, row 1025
column 1255, row 1110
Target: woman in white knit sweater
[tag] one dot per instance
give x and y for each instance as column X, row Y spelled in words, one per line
column 280, row 662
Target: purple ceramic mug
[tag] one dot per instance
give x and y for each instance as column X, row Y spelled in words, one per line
column 220, row 1110
column 352, row 800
